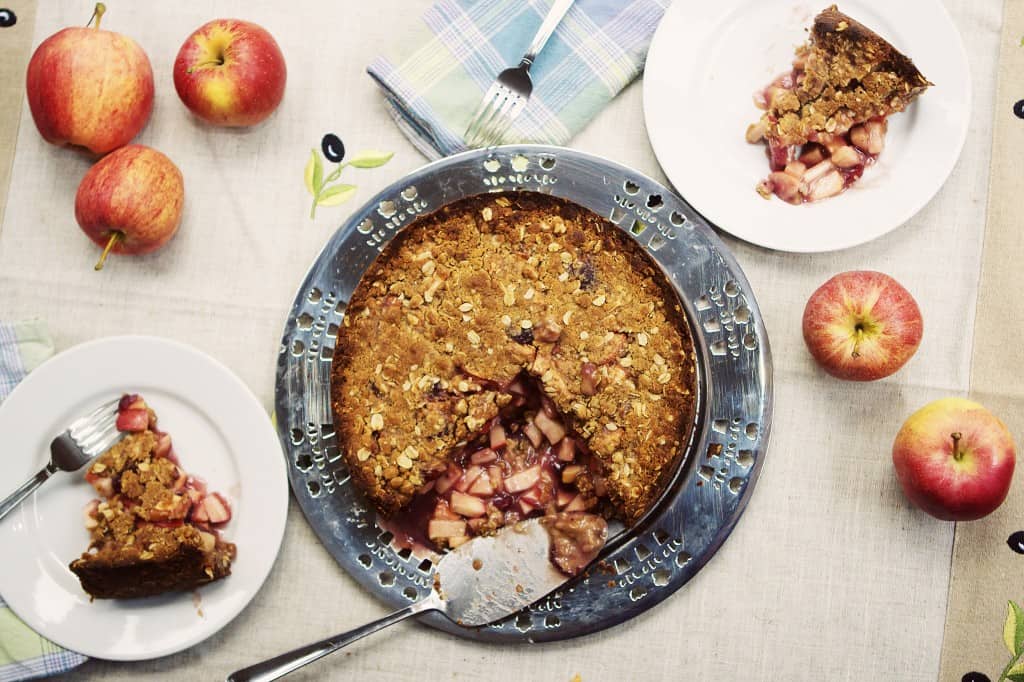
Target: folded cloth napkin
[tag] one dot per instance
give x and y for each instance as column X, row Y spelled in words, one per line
column 24, row 655
column 434, row 80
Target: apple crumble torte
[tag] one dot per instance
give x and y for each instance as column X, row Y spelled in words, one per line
column 824, row 121
column 155, row 529
column 511, row 355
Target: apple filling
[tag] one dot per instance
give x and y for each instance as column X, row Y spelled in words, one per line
column 576, row 539
column 825, row 165
column 525, row 462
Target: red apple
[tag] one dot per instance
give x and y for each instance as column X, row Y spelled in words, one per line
column 90, row 87
column 230, row 73
column 954, row 459
column 130, row 201
column 862, row 325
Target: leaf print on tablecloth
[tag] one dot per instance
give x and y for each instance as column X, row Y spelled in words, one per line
column 1013, row 629
column 370, row 158
column 314, row 172
column 1013, row 638
column 325, row 193
column 337, row 194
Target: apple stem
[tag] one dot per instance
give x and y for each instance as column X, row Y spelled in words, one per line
column 856, row 342
column 209, row 62
column 115, row 237
column 97, row 14
column 957, row 453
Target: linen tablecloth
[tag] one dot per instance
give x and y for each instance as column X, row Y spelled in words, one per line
column 830, row 574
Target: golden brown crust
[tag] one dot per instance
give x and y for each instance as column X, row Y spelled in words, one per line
column 850, row 75
column 836, row 33
column 487, row 287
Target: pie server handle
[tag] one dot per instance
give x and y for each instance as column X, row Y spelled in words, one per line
column 290, row 661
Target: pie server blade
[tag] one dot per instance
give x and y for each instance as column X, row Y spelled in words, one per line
column 493, row 577
column 475, row 584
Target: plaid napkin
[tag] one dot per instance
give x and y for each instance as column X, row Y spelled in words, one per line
column 434, row 80
column 24, row 654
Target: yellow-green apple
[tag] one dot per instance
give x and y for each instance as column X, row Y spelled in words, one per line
column 862, row 325
column 230, row 73
column 954, row 459
column 130, row 201
column 90, row 87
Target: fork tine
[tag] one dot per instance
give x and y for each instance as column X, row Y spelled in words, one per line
column 504, row 124
column 491, row 134
column 496, row 103
column 483, row 136
column 483, row 110
column 92, row 439
column 104, row 444
column 94, row 427
column 95, row 414
column 507, row 111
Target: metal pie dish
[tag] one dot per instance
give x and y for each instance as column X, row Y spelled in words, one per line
column 641, row 565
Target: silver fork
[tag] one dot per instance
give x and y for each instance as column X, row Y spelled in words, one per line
column 507, row 96
column 84, row 439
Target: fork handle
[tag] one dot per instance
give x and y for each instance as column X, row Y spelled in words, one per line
column 26, row 488
column 547, row 27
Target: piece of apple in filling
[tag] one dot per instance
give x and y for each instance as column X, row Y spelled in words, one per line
column 526, row 462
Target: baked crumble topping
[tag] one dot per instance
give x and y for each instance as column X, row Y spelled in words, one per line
column 506, row 340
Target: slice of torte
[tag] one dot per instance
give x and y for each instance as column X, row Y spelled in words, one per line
column 155, row 528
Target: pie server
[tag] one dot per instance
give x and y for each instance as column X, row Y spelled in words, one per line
column 478, row 583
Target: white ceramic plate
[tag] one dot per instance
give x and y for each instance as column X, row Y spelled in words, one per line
column 708, row 58
column 220, row 432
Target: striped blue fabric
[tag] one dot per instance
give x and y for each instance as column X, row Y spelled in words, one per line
column 53, row 661
column 24, row 655
column 12, row 370
column 434, row 82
